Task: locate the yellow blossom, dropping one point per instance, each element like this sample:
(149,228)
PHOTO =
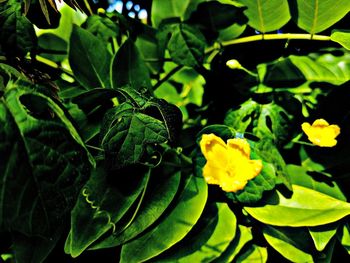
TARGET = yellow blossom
(321,133)
(228,165)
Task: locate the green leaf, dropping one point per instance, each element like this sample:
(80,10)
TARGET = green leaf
(242,236)
(179,220)
(214,15)
(186,45)
(322,235)
(54,163)
(254,254)
(306,207)
(33,249)
(264,120)
(51,42)
(126,134)
(129,69)
(101,204)
(266,16)
(317,15)
(17,35)
(102,27)
(342,37)
(207,242)
(89,59)
(344,237)
(291,243)
(172,8)
(161,189)
(300,176)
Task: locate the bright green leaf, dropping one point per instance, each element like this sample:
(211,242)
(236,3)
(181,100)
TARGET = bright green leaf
(89,59)
(243,236)
(317,15)
(342,37)
(179,220)
(344,237)
(322,235)
(266,16)
(291,243)
(306,207)
(206,243)
(129,69)
(253,254)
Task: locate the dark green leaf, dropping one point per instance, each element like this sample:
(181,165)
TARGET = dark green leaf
(179,220)
(161,189)
(129,69)
(306,207)
(89,59)
(102,27)
(186,45)
(54,163)
(17,35)
(126,133)
(266,16)
(101,204)
(317,15)
(49,44)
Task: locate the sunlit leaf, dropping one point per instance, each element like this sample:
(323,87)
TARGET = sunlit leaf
(266,16)
(315,16)
(322,235)
(254,254)
(305,207)
(291,243)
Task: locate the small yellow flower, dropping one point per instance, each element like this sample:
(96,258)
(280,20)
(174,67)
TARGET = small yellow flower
(228,165)
(320,133)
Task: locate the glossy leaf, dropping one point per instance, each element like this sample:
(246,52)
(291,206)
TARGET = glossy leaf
(266,16)
(89,59)
(243,236)
(207,242)
(126,134)
(300,176)
(322,235)
(254,254)
(159,238)
(291,243)
(342,37)
(54,163)
(94,213)
(315,16)
(161,189)
(306,207)
(129,69)
(186,45)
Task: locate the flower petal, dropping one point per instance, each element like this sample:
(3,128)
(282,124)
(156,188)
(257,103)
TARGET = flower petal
(214,149)
(321,133)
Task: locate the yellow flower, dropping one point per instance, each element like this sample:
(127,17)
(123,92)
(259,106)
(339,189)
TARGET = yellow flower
(321,133)
(228,165)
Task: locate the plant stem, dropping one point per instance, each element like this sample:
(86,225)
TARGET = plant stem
(168,76)
(287,36)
